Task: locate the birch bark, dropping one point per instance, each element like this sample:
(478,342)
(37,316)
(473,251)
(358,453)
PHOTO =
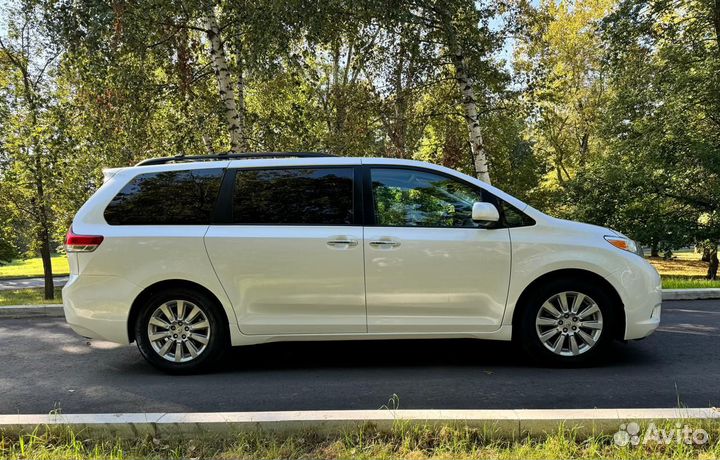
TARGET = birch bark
(467,91)
(218,59)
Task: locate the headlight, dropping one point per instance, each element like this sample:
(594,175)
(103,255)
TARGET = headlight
(626,244)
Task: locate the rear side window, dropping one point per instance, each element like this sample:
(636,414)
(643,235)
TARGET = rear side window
(167,198)
(294,196)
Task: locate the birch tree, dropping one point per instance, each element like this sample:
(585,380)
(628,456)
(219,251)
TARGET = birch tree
(466,86)
(219,61)
(460,29)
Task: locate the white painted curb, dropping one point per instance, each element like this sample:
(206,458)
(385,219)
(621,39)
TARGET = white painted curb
(690,294)
(507,423)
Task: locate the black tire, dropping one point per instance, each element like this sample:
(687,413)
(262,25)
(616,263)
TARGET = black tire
(528,336)
(217,335)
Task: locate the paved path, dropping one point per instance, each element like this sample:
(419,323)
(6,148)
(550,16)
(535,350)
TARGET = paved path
(26,283)
(46,366)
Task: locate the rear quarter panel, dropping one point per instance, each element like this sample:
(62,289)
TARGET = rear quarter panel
(142,254)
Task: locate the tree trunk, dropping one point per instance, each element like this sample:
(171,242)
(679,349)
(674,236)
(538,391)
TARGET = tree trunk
(241,105)
(208,144)
(713,267)
(240,74)
(705,253)
(42,215)
(465,83)
(47,265)
(716,22)
(218,60)
(44,235)
(584,148)
(40,205)
(398,134)
(654,252)
(398,126)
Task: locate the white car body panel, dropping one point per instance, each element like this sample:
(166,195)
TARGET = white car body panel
(284,283)
(554,244)
(437,280)
(287,280)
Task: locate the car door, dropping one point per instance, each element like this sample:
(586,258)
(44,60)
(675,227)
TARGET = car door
(428,267)
(290,252)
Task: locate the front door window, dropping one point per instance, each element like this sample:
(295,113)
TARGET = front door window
(412,198)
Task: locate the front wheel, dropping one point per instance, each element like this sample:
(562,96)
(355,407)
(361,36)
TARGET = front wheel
(181,331)
(567,322)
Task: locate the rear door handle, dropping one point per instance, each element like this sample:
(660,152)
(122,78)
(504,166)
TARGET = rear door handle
(380,244)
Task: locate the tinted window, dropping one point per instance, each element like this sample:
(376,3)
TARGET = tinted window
(302,196)
(166,198)
(412,198)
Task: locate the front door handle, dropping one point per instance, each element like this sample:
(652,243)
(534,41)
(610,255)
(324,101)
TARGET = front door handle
(342,243)
(380,244)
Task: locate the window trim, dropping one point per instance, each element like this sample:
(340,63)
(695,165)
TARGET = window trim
(369,211)
(224,213)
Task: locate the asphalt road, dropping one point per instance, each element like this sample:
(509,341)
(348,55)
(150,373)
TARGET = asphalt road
(27,283)
(45,366)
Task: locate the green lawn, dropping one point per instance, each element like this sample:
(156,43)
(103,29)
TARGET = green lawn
(684,271)
(29,268)
(364,443)
(684,282)
(27,297)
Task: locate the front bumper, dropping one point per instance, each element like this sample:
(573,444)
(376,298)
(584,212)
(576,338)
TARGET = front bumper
(640,290)
(94,306)
(639,325)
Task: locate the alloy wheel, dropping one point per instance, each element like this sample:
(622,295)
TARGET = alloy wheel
(569,323)
(179,331)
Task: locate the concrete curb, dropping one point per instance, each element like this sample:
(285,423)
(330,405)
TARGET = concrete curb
(32,311)
(505,423)
(691,294)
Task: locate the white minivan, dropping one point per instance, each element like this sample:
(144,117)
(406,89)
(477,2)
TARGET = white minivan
(188,256)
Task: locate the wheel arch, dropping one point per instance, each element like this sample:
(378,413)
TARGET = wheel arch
(573,273)
(159,286)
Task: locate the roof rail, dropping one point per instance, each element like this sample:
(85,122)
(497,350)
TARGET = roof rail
(230,156)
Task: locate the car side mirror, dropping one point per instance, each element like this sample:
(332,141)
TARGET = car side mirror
(485,212)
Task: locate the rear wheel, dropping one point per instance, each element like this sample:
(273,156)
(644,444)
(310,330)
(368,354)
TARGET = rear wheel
(181,331)
(568,322)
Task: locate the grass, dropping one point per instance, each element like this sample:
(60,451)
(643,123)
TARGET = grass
(681,282)
(31,268)
(684,270)
(403,442)
(27,297)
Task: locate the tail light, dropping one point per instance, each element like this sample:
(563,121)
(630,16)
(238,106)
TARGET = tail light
(81,243)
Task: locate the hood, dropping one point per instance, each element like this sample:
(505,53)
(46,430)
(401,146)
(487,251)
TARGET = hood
(581,227)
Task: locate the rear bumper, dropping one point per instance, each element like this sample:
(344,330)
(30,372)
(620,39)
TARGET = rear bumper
(96,306)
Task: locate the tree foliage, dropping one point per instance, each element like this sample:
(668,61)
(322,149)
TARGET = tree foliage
(600,110)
